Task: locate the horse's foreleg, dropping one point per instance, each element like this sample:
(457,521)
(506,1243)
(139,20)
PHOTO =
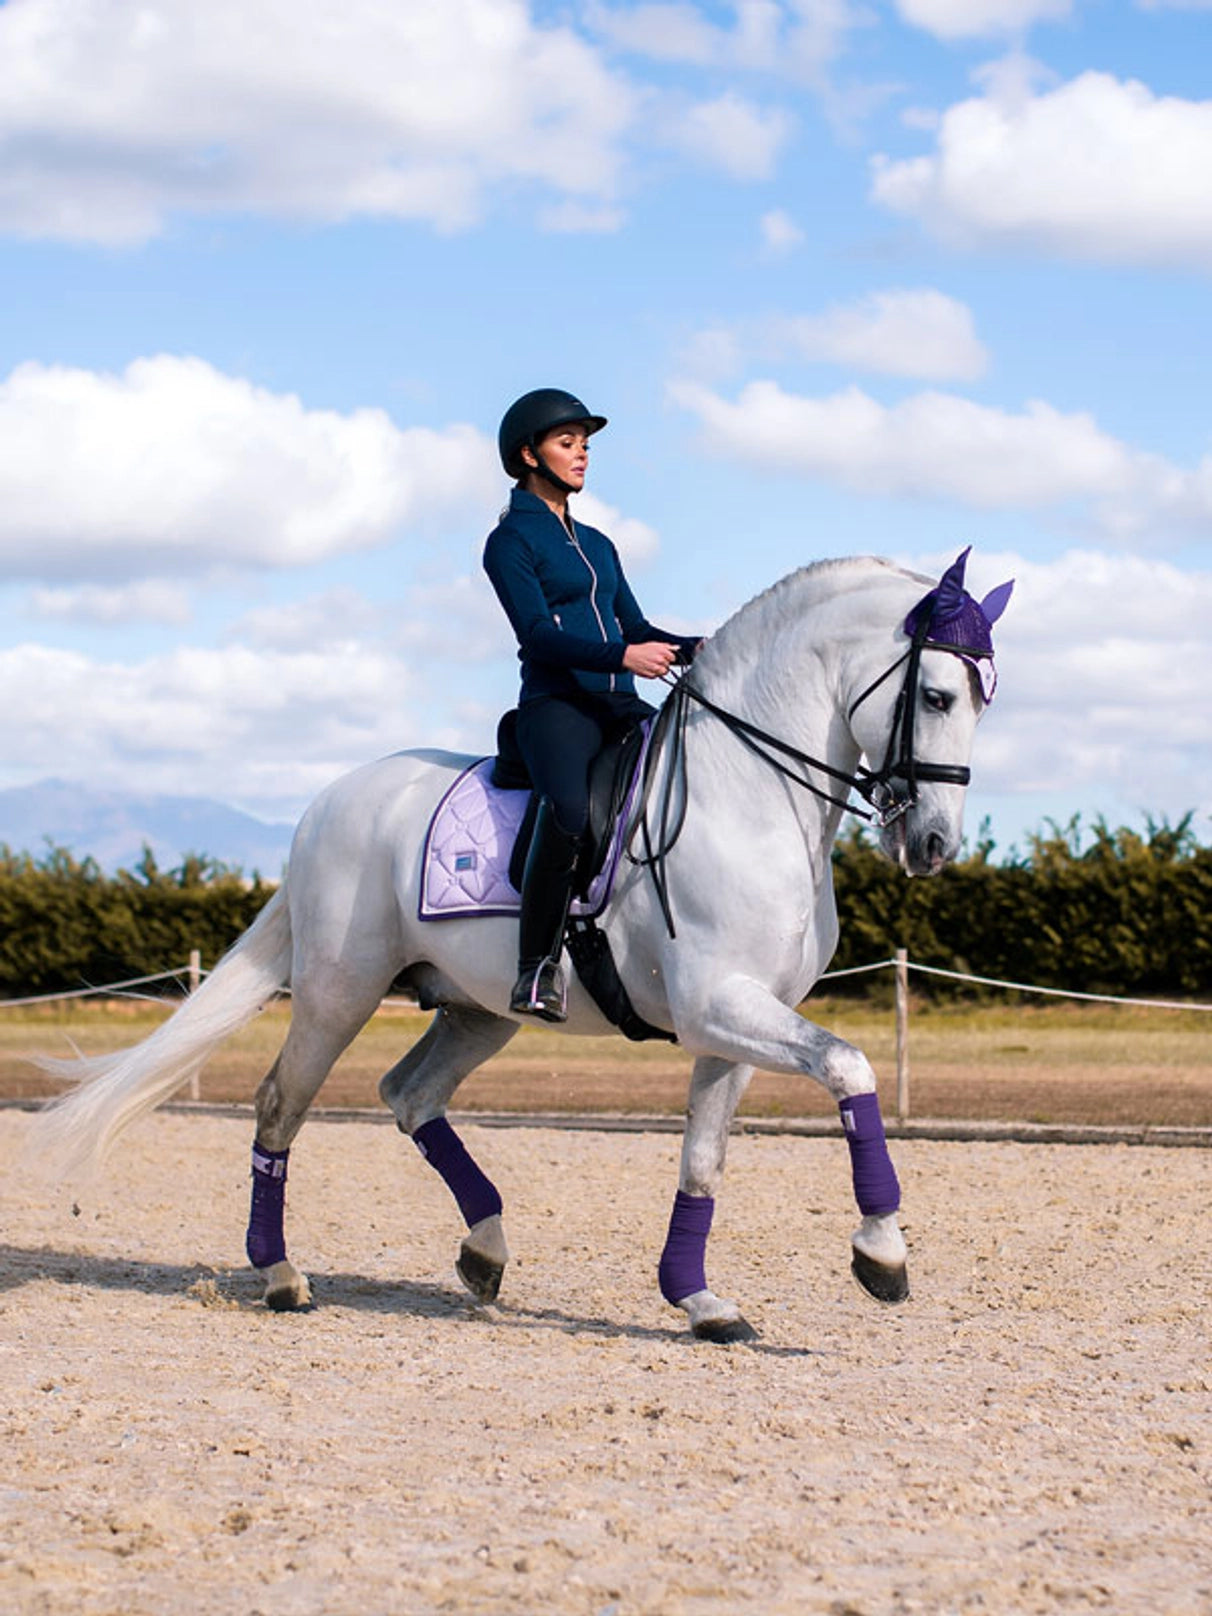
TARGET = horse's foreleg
(741,1020)
(716,1088)
(318,1033)
(417,1090)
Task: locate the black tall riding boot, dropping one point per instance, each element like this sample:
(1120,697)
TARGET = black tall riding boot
(546,894)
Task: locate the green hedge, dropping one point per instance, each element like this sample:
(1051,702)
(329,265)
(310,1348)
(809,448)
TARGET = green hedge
(1114,911)
(64,924)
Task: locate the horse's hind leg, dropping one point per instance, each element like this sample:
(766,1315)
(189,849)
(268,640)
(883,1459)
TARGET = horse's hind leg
(417,1090)
(321,1026)
(716,1088)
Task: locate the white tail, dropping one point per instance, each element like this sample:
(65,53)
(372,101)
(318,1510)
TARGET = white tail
(112,1091)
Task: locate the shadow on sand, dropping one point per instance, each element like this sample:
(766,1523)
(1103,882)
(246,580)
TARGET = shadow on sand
(20,1266)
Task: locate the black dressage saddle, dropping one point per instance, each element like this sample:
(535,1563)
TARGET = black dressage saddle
(610,777)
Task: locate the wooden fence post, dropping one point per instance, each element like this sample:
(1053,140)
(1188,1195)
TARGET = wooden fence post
(195,977)
(902,1034)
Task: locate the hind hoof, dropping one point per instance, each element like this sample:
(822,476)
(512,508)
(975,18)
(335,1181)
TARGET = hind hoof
(481,1275)
(286,1289)
(888,1283)
(723,1331)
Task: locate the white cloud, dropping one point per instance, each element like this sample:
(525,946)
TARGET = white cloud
(173,466)
(1102,694)
(115,116)
(665,33)
(975,19)
(940,446)
(933,444)
(1093,168)
(236,723)
(567,218)
(150,600)
(335,617)
(458,620)
(918,332)
(731,134)
(635,541)
(793,39)
(780,233)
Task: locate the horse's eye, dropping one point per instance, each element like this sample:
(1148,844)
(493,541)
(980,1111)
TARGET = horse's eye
(938,701)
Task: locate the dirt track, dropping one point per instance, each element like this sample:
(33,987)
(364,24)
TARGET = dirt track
(1030,1433)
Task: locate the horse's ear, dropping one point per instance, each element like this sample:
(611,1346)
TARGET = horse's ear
(995,602)
(949,596)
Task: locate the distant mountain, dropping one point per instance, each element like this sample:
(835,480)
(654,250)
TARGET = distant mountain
(112,828)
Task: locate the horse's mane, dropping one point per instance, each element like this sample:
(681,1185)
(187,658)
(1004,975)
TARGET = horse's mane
(787,600)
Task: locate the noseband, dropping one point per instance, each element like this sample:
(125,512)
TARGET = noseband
(889,791)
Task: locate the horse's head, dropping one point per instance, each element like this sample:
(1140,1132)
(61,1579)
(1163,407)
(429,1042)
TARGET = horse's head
(915,720)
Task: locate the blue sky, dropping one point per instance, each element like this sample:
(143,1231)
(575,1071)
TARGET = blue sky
(847,278)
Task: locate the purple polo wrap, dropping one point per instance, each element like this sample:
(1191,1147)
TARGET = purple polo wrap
(265,1242)
(955,621)
(682,1272)
(447,1155)
(875,1183)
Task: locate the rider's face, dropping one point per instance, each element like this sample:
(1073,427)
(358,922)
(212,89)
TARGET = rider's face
(566,452)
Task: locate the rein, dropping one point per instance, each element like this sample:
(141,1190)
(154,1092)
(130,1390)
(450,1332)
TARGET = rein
(885,803)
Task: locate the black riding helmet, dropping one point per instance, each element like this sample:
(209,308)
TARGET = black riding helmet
(527,421)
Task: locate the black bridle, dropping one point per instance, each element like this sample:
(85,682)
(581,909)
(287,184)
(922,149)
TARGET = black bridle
(889,791)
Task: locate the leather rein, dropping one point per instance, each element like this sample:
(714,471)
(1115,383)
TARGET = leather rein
(889,791)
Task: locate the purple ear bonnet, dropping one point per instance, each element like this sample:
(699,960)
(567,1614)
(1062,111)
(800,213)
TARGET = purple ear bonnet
(953,621)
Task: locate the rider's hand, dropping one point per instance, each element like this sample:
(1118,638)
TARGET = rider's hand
(650,660)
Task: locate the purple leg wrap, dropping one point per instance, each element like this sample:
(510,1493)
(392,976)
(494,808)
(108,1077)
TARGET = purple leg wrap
(444,1150)
(681,1272)
(875,1183)
(265,1243)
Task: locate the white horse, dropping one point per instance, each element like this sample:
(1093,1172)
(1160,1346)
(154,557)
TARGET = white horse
(811,669)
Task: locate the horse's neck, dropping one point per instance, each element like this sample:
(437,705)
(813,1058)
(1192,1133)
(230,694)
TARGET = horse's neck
(787,663)
(781,662)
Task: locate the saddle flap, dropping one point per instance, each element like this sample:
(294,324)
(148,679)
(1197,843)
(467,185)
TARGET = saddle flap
(610,780)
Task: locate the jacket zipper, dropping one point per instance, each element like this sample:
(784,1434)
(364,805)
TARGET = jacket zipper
(593,588)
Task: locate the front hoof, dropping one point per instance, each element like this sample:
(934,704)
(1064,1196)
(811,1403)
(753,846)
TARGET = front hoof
(723,1331)
(482,1258)
(481,1275)
(887,1282)
(286,1289)
(714,1319)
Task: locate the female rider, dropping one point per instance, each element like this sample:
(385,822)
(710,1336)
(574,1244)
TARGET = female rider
(581,640)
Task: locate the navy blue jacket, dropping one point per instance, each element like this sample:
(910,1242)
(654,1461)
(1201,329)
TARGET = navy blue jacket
(570,605)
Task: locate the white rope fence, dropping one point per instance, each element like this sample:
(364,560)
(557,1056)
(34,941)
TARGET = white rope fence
(113,990)
(900,963)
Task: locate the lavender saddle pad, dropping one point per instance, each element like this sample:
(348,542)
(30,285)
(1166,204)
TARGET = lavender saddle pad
(465,865)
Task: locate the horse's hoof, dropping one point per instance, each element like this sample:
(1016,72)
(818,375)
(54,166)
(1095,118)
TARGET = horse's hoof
(722,1331)
(481,1275)
(886,1282)
(286,1289)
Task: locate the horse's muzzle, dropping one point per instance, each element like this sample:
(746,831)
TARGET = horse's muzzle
(919,849)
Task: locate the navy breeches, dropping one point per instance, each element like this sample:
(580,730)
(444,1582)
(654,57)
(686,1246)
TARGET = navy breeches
(559,739)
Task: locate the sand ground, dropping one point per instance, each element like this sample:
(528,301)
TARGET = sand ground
(1030,1433)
